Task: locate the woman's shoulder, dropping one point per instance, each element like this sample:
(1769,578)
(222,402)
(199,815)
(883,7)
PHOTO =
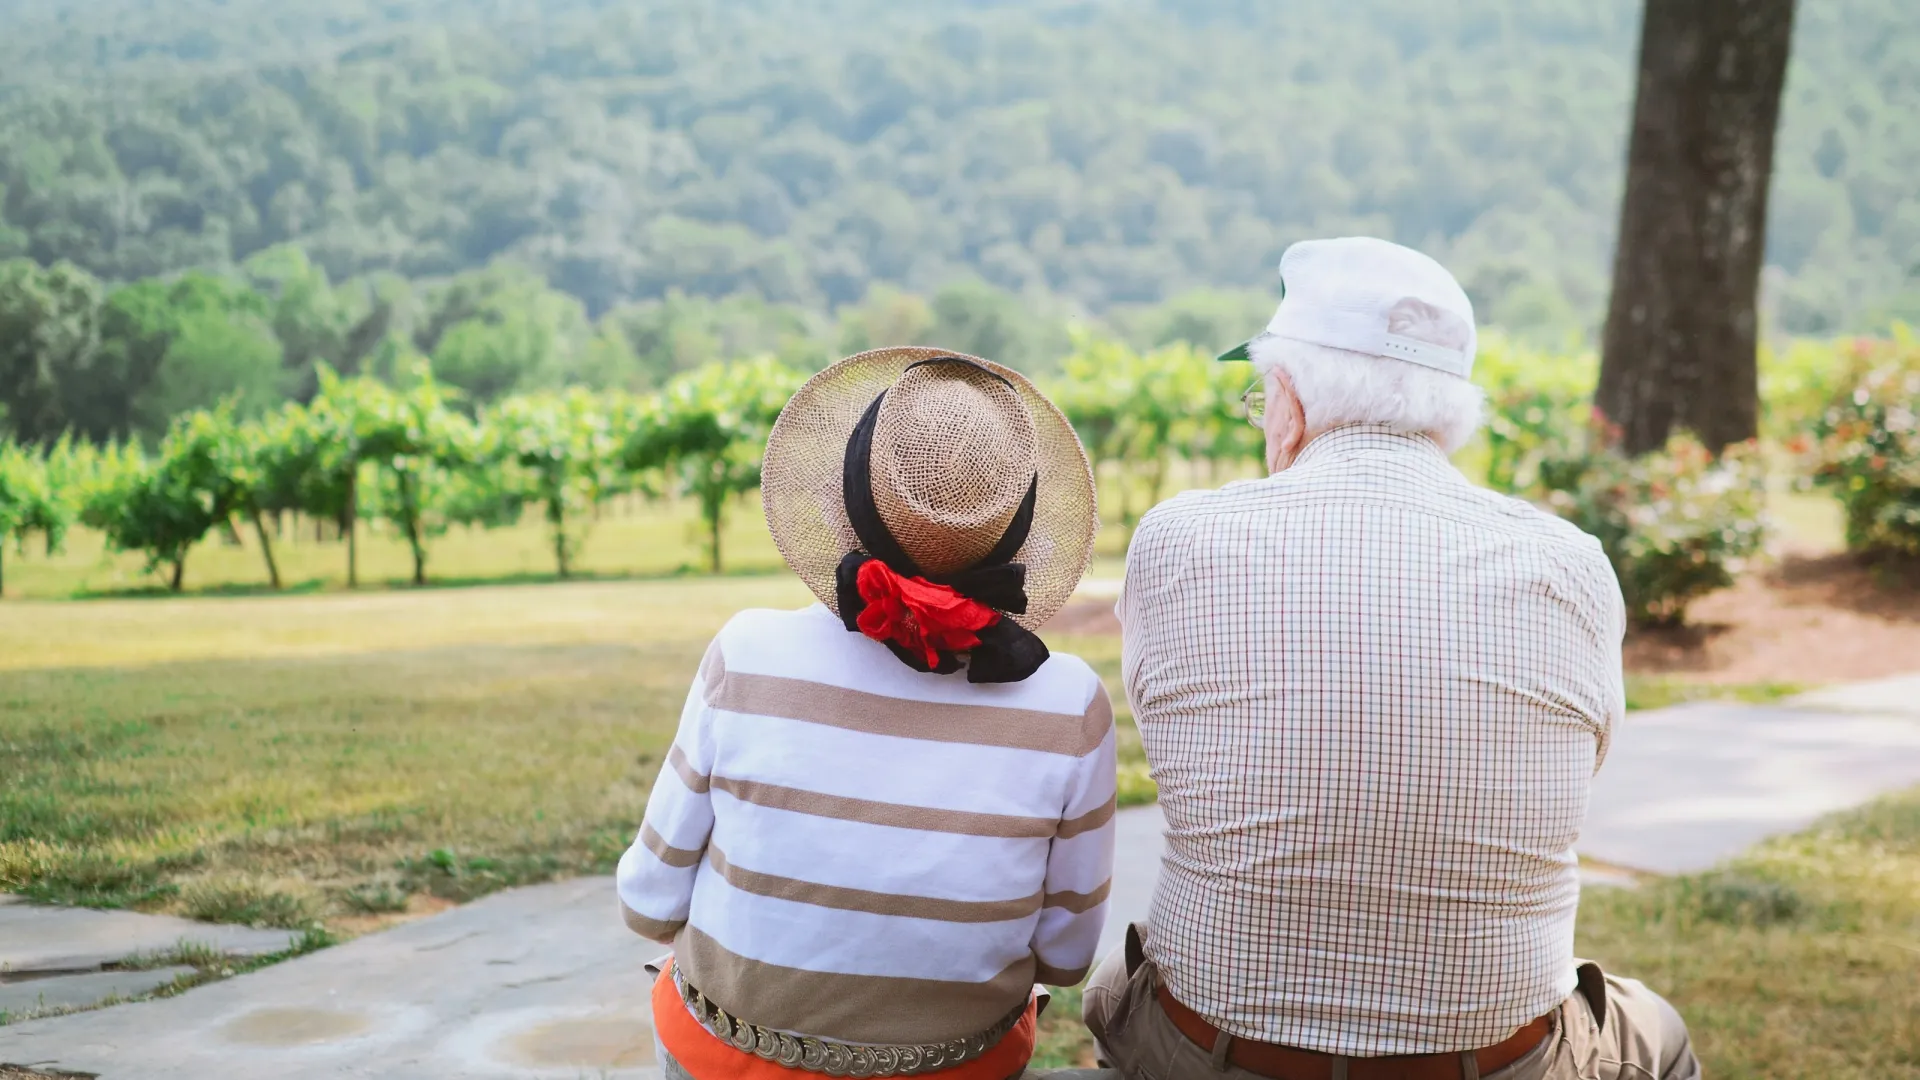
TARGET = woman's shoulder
(775,627)
(1068,670)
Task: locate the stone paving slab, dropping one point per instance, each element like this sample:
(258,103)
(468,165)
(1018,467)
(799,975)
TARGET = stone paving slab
(1687,787)
(64,991)
(1882,697)
(35,937)
(541,982)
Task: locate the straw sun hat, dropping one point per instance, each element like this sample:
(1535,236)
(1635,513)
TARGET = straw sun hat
(936,502)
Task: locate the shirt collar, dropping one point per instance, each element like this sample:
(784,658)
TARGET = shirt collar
(1352,439)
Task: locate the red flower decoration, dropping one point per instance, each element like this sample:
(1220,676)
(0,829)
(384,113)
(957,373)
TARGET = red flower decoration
(918,615)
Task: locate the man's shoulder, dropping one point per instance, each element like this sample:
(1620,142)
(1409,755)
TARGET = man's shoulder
(1541,525)
(1188,506)
(1173,520)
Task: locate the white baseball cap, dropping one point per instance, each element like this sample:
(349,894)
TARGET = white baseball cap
(1369,296)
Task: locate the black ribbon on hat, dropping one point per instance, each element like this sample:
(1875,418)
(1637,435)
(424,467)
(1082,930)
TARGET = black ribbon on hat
(1008,652)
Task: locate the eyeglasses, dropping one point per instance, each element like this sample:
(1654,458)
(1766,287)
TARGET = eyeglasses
(1254,401)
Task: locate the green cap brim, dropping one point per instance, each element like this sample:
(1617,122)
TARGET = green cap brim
(1237,354)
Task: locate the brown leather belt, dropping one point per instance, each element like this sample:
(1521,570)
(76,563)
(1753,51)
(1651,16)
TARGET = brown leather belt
(1286,1063)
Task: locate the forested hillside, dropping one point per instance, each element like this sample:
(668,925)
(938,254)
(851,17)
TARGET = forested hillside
(1105,153)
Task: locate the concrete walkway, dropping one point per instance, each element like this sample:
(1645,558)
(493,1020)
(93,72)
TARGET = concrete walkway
(545,982)
(53,957)
(531,983)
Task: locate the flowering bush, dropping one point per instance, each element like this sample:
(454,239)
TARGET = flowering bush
(1676,524)
(1866,446)
(1537,411)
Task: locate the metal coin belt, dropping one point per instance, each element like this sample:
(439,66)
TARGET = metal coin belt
(838,1058)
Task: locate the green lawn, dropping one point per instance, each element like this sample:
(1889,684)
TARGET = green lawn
(329,757)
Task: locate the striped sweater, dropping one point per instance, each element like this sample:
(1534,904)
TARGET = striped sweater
(843,847)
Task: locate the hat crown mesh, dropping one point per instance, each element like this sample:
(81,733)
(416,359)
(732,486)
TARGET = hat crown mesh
(953,456)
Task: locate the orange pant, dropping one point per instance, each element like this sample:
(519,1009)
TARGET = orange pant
(705,1057)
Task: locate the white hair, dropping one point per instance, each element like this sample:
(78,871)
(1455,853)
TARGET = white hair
(1337,387)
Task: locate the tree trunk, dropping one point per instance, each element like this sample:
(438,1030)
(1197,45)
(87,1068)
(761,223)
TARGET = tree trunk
(1679,347)
(351,527)
(713,507)
(266,550)
(1157,479)
(411,509)
(179,573)
(557,518)
(3,568)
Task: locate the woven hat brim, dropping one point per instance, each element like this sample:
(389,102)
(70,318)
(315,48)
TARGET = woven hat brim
(801,479)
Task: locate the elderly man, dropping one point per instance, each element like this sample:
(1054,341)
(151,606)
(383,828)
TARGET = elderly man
(1374,697)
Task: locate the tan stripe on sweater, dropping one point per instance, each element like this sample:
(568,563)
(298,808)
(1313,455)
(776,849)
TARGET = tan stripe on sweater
(1087,822)
(873,903)
(665,852)
(660,930)
(897,815)
(1079,902)
(875,714)
(850,1008)
(689,776)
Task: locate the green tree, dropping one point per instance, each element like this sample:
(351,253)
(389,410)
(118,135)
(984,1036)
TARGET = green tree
(500,331)
(49,336)
(414,440)
(978,319)
(280,465)
(1107,154)
(314,322)
(31,500)
(887,316)
(567,449)
(323,445)
(711,431)
(220,346)
(165,505)
(678,333)
(1135,412)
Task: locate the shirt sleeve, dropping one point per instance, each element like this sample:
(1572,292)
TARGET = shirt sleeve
(655,876)
(1593,591)
(1157,559)
(1613,633)
(1080,860)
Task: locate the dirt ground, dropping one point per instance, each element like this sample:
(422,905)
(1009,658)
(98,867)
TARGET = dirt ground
(1807,619)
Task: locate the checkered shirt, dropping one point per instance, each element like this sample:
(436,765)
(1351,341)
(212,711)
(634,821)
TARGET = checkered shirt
(1374,697)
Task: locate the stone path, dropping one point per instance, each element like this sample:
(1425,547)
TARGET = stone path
(1688,787)
(532,983)
(53,957)
(545,982)
(41,940)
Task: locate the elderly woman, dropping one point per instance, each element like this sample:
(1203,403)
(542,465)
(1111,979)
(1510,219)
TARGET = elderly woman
(887,816)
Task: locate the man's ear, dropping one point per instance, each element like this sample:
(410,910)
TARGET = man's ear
(1288,399)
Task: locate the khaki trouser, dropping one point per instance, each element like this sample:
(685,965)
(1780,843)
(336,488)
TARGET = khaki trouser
(1612,1029)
